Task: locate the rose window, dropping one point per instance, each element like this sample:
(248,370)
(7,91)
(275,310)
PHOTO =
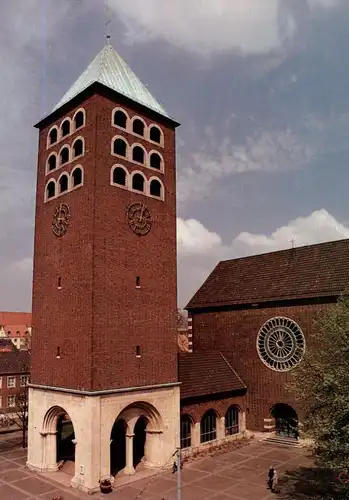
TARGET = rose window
(280,344)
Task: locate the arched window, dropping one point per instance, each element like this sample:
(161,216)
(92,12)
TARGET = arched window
(138,127)
(53,136)
(155,134)
(186,424)
(232,421)
(155,161)
(77,176)
(52,163)
(120,147)
(119,176)
(64,156)
(138,182)
(63,184)
(79,119)
(155,188)
(208,427)
(50,190)
(78,147)
(138,154)
(65,128)
(120,119)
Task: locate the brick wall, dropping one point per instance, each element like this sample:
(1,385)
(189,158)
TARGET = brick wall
(198,408)
(235,334)
(98,317)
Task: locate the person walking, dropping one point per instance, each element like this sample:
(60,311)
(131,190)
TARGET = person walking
(271,473)
(275,483)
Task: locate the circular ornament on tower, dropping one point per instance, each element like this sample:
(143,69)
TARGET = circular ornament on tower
(139,218)
(60,219)
(280,344)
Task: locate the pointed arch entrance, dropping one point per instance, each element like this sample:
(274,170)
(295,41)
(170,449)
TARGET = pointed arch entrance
(136,439)
(59,440)
(286,420)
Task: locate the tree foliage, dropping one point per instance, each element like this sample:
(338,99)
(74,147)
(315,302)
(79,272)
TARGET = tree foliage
(182,320)
(320,385)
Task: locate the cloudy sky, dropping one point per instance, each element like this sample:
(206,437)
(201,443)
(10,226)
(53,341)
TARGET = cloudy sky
(261,88)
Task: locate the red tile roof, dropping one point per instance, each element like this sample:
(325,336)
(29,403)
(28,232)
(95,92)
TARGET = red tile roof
(320,270)
(206,373)
(15,324)
(14,362)
(15,318)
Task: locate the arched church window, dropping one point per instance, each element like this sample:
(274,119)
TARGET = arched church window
(64,156)
(65,128)
(78,147)
(138,182)
(77,176)
(51,190)
(53,136)
(79,119)
(186,425)
(52,162)
(120,119)
(119,176)
(155,134)
(208,427)
(232,421)
(120,147)
(138,127)
(280,344)
(155,161)
(138,154)
(155,188)
(63,183)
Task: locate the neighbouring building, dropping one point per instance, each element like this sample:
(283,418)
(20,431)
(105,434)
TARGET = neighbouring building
(17,327)
(14,375)
(259,312)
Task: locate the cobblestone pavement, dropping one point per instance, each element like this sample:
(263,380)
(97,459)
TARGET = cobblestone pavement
(239,475)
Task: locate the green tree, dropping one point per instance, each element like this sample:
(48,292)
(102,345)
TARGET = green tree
(321,386)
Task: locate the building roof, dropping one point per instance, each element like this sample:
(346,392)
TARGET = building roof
(14,362)
(15,318)
(15,324)
(320,270)
(206,373)
(109,69)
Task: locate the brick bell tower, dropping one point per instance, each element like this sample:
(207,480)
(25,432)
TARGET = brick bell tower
(105,285)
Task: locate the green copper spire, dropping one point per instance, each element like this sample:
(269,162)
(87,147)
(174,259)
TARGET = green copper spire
(109,69)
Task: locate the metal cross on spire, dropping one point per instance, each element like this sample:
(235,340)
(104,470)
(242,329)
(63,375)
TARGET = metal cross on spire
(292,241)
(107,22)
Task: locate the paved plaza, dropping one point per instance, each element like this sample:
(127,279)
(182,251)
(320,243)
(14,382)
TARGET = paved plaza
(239,475)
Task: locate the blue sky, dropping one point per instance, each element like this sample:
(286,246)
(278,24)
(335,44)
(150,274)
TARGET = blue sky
(261,89)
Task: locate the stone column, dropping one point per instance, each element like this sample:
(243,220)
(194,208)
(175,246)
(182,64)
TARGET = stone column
(129,470)
(242,421)
(195,435)
(153,452)
(49,456)
(220,428)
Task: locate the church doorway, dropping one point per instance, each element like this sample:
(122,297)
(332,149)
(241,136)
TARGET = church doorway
(286,421)
(65,444)
(139,440)
(118,447)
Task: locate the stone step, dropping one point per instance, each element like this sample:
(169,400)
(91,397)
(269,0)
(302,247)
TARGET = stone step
(282,441)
